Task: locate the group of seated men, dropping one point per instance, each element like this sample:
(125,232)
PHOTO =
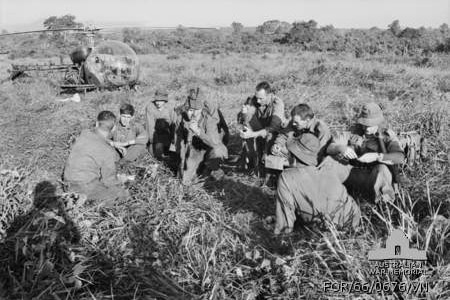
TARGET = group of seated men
(314,187)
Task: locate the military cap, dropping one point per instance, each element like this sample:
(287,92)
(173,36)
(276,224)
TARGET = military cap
(161,95)
(371,115)
(305,148)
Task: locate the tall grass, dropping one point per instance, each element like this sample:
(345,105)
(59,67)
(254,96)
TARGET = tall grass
(213,240)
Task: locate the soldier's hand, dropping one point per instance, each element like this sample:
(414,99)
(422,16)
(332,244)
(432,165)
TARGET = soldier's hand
(117,144)
(246,133)
(244,109)
(350,153)
(122,150)
(194,128)
(276,149)
(369,157)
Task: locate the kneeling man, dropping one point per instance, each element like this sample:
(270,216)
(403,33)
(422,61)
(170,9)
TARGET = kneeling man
(90,168)
(311,193)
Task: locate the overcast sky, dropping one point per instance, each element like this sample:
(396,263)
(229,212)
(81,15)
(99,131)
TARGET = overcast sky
(340,13)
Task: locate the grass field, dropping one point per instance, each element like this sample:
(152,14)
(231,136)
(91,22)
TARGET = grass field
(213,240)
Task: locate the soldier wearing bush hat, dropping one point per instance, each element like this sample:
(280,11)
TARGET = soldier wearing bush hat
(160,122)
(365,155)
(201,137)
(311,192)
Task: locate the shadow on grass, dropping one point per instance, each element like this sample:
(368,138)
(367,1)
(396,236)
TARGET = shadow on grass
(241,196)
(36,250)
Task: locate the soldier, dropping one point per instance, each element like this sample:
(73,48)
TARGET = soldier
(129,137)
(90,168)
(311,192)
(263,117)
(302,121)
(161,121)
(201,137)
(362,158)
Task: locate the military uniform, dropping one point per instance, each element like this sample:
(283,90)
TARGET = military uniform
(91,170)
(310,192)
(160,128)
(208,146)
(317,127)
(270,118)
(134,132)
(374,178)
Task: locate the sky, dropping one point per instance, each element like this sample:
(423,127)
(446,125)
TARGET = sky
(215,13)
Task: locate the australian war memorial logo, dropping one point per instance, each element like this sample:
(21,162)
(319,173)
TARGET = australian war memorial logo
(398,258)
(395,268)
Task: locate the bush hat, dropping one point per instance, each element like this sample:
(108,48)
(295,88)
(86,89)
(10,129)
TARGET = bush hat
(371,115)
(305,148)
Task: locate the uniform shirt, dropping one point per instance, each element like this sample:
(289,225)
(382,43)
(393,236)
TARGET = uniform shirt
(213,131)
(270,117)
(134,131)
(160,122)
(317,127)
(91,159)
(312,192)
(363,143)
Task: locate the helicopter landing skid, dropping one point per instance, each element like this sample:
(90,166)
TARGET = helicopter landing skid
(70,88)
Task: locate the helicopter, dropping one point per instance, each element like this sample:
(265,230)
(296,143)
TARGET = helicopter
(112,64)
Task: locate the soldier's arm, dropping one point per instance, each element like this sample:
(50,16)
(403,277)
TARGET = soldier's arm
(247,111)
(323,133)
(395,152)
(108,170)
(336,146)
(282,138)
(277,117)
(340,142)
(142,135)
(223,127)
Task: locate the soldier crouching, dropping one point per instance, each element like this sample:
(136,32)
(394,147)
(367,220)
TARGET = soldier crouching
(201,137)
(310,192)
(366,156)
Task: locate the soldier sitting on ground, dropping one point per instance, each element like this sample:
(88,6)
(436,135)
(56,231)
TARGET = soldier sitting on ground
(311,193)
(129,137)
(90,168)
(363,157)
(201,137)
(262,116)
(161,122)
(302,121)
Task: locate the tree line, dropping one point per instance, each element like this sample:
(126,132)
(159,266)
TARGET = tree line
(271,36)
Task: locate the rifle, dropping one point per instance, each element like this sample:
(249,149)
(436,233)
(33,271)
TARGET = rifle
(185,146)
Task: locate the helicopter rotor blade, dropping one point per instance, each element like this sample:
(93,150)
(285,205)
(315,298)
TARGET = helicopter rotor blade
(53,30)
(116,28)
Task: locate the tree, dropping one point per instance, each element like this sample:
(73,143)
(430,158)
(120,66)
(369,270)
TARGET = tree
(303,32)
(268,27)
(444,30)
(394,27)
(66,21)
(237,28)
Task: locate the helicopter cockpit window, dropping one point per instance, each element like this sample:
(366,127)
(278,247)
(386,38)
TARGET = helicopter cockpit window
(115,48)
